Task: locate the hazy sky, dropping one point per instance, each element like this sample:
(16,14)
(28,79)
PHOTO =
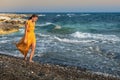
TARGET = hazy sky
(60,5)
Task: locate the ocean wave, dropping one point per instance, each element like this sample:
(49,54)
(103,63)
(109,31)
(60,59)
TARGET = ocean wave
(45,24)
(70,15)
(85,14)
(50,26)
(43,35)
(3,37)
(4,41)
(95,36)
(73,40)
(58,15)
(42,15)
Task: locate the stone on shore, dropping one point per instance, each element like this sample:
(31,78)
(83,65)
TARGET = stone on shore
(8,28)
(10,23)
(13,68)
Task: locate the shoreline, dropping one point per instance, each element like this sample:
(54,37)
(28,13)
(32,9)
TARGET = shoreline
(14,68)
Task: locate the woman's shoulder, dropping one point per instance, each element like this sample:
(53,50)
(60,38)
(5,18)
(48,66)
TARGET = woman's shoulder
(28,22)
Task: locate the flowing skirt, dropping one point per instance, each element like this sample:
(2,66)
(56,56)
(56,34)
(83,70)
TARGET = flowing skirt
(24,47)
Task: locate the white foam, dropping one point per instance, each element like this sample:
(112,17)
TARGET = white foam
(73,40)
(95,36)
(4,37)
(70,15)
(84,14)
(105,74)
(49,23)
(22,30)
(5,41)
(39,54)
(17,38)
(46,24)
(41,15)
(58,15)
(43,35)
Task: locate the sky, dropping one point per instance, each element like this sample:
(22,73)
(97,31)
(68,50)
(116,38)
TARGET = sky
(59,5)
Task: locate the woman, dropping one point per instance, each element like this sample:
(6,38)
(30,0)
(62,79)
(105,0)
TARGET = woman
(29,40)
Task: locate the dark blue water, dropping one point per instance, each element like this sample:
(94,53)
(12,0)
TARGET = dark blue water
(87,40)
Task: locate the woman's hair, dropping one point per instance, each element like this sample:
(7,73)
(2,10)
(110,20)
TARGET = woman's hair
(34,15)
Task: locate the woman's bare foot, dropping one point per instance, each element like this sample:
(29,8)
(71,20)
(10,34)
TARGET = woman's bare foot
(31,61)
(25,58)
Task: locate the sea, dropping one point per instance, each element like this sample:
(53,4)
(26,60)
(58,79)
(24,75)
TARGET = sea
(86,40)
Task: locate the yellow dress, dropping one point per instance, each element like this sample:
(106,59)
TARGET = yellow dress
(30,36)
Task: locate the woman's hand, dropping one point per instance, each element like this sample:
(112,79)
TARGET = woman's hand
(25,41)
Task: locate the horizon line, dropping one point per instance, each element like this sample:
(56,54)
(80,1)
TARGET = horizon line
(60,12)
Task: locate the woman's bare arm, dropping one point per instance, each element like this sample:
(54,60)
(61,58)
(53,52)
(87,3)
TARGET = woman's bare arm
(26,28)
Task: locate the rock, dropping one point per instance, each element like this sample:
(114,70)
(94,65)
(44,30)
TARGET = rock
(16,21)
(2,18)
(14,15)
(10,23)
(8,28)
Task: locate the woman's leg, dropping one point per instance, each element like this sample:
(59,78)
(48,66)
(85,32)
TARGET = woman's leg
(25,57)
(32,52)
